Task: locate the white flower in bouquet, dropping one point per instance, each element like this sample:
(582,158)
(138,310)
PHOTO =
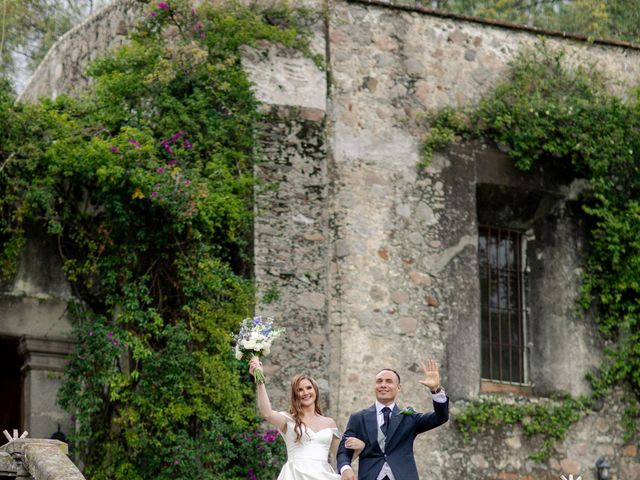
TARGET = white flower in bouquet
(255,336)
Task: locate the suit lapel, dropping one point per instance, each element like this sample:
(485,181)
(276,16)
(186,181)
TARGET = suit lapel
(371,423)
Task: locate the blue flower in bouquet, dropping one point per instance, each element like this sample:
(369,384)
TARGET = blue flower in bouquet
(256,336)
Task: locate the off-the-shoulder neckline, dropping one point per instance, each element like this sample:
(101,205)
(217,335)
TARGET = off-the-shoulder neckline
(289,417)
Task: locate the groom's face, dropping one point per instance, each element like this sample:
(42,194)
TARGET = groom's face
(387,387)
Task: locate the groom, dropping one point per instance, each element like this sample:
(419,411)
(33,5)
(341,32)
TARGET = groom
(389,432)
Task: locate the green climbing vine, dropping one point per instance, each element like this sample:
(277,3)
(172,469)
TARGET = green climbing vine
(548,421)
(144,188)
(565,118)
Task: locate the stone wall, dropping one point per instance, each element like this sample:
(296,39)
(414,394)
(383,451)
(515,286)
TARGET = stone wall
(404,282)
(37,459)
(33,308)
(292,268)
(371,263)
(63,68)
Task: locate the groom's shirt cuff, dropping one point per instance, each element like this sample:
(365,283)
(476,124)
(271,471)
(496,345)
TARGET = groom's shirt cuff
(344,467)
(439,397)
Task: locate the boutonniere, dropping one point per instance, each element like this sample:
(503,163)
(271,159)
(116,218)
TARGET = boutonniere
(407,411)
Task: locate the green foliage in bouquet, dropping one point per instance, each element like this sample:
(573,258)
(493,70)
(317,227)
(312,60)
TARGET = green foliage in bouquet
(144,186)
(565,118)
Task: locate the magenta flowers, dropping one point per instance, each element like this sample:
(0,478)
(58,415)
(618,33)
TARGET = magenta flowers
(173,139)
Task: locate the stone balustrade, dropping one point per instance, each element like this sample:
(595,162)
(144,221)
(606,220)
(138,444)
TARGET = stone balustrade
(38,459)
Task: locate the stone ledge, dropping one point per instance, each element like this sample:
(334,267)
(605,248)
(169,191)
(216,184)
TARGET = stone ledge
(43,459)
(48,354)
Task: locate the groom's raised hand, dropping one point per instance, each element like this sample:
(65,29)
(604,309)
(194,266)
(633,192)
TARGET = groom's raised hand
(431,375)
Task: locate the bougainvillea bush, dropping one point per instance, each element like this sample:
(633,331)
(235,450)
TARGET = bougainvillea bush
(144,188)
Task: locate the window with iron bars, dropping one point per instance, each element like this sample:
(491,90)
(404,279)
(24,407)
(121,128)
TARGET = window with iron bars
(502,305)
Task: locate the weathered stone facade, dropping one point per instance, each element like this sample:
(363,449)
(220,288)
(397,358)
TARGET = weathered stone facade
(37,459)
(33,310)
(371,263)
(63,68)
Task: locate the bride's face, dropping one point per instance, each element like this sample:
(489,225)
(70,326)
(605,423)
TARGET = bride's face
(306,392)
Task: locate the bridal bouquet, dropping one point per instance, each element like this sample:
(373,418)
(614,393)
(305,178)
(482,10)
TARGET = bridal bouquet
(255,336)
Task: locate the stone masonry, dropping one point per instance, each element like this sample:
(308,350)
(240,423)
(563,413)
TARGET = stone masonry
(37,459)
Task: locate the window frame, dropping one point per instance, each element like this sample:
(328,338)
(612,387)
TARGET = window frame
(505,383)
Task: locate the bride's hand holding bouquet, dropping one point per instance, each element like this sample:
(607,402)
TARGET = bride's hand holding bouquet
(255,337)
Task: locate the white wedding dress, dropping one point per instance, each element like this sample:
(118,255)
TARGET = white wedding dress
(308,458)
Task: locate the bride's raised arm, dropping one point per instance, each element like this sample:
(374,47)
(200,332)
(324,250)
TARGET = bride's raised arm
(264,405)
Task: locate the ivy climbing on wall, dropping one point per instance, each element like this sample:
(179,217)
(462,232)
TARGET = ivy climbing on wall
(547,113)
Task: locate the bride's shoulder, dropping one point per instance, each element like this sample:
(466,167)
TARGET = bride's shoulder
(329,422)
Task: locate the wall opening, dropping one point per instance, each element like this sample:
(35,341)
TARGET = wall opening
(11,385)
(501,305)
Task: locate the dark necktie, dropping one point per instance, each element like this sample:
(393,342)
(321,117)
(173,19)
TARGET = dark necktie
(385,425)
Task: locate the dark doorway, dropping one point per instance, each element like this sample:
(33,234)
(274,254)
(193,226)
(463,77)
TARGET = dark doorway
(10,386)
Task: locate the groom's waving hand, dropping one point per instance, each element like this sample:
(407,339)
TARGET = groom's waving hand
(431,376)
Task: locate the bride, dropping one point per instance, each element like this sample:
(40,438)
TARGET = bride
(308,435)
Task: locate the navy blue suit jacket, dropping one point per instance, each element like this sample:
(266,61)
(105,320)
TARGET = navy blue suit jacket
(403,429)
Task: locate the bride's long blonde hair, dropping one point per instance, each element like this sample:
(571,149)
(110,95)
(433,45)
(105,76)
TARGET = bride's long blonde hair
(296,405)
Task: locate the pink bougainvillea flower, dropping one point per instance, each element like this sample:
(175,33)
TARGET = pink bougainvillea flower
(153,14)
(177,135)
(114,149)
(90,333)
(153,194)
(163,6)
(160,170)
(172,162)
(134,142)
(167,147)
(271,436)
(116,342)
(187,145)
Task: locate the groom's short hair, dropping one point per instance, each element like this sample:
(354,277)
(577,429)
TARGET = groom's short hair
(390,370)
